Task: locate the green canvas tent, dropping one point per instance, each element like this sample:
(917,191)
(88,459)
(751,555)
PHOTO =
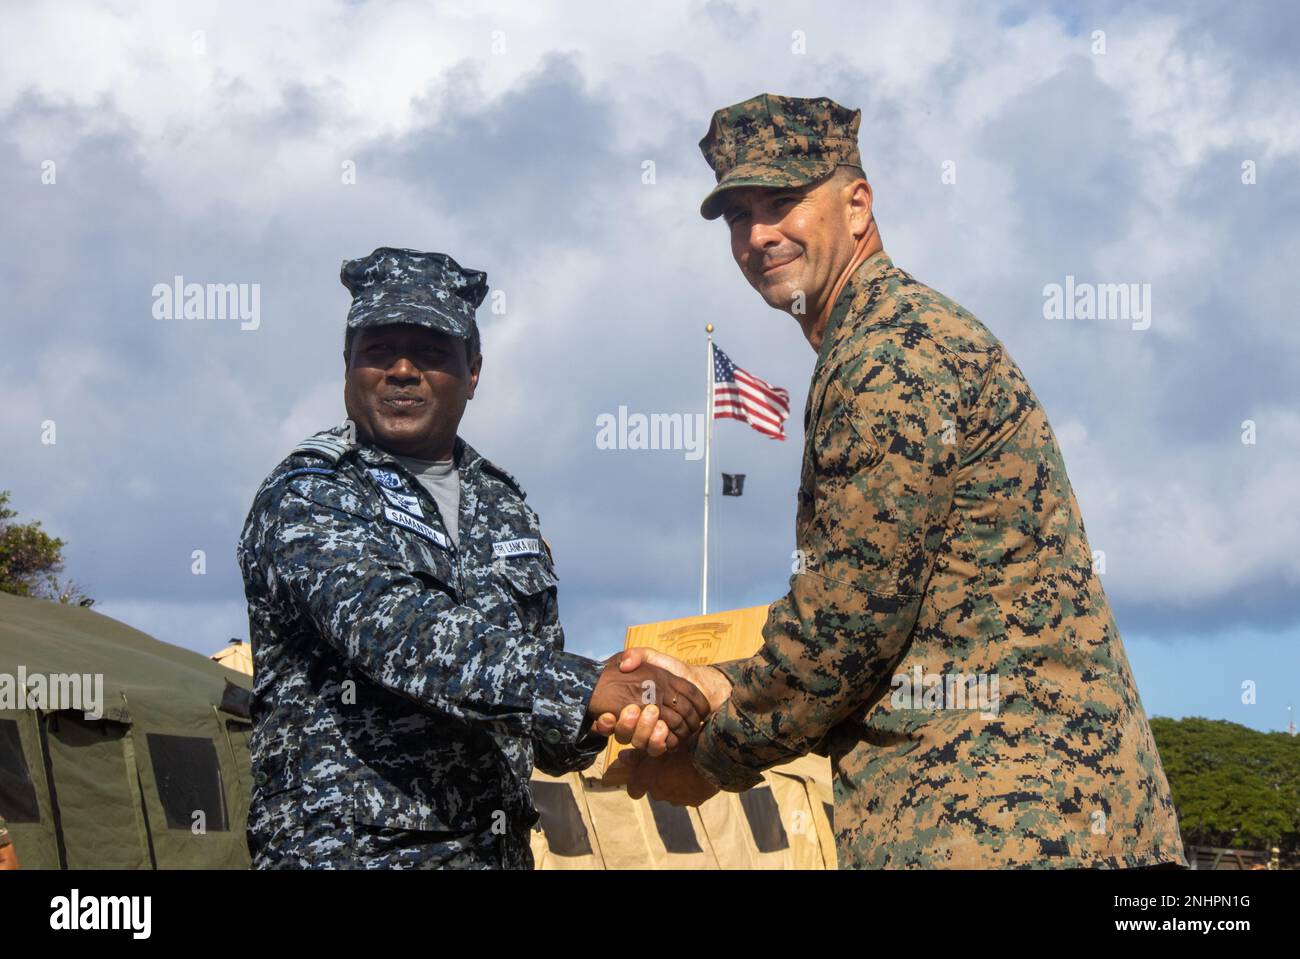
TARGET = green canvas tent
(117,751)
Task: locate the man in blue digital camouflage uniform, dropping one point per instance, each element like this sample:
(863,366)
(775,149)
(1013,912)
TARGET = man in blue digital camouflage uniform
(409,667)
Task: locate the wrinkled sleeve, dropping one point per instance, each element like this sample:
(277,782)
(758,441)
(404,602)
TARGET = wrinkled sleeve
(564,755)
(337,570)
(885,445)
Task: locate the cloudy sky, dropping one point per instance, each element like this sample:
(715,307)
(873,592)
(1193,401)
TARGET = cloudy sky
(1010,146)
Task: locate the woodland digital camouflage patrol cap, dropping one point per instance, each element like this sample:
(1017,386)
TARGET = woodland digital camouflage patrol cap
(776,141)
(407,286)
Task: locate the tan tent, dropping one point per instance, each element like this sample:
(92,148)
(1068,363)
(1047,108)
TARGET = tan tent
(783,824)
(237,656)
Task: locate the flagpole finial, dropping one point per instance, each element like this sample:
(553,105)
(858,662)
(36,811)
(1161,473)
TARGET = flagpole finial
(708,328)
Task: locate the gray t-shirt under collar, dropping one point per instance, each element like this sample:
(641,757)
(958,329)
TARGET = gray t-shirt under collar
(442,481)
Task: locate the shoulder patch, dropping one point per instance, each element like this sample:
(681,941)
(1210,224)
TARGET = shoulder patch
(325,445)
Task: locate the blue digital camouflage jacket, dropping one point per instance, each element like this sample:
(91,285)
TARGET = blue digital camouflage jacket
(403,687)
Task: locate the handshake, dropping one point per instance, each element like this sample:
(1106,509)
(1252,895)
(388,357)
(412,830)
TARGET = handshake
(657,704)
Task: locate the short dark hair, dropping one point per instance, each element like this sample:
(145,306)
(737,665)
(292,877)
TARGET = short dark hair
(472,345)
(849,171)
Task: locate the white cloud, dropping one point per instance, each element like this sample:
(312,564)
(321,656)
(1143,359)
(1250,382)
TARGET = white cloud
(226,163)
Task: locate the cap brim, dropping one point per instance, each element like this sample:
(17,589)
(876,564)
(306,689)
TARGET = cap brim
(430,319)
(766,175)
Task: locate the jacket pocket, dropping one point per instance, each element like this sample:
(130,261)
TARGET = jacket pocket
(385,805)
(843,440)
(434,571)
(527,575)
(334,495)
(529,586)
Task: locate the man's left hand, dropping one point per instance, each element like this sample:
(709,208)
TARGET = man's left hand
(670,778)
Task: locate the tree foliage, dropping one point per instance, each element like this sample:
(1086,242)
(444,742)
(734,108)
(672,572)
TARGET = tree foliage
(1233,786)
(31,561)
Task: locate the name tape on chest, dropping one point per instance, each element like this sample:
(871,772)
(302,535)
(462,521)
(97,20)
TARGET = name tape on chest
(517,547)
(407,521)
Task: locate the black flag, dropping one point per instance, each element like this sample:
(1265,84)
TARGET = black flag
(733,484)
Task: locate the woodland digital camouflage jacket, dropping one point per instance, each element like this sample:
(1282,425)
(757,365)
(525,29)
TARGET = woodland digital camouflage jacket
(947,643)
(403,687)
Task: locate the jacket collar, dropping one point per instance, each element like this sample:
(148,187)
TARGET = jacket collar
(853,306)
(467,459)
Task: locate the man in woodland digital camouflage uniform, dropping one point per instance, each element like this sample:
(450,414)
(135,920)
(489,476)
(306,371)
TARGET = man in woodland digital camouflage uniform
(947,642)
(8,858)
(409,665)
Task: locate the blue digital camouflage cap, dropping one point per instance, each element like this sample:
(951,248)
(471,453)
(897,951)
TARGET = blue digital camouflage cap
(407,286)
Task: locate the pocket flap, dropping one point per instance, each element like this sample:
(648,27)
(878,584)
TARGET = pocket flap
(528,574)
(332,494)
(386,807)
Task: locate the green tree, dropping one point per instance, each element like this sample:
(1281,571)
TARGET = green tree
(1234,787)
(31,561)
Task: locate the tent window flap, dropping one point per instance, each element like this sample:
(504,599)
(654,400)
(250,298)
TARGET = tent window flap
(189,781)
(566,834)
(764,817)
(17,791)
(675,829)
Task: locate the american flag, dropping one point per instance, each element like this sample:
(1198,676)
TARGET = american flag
(738,395)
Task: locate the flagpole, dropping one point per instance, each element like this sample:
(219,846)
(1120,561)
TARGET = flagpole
(708,443)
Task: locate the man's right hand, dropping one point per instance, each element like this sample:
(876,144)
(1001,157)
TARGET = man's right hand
(636,727)
(629,679)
